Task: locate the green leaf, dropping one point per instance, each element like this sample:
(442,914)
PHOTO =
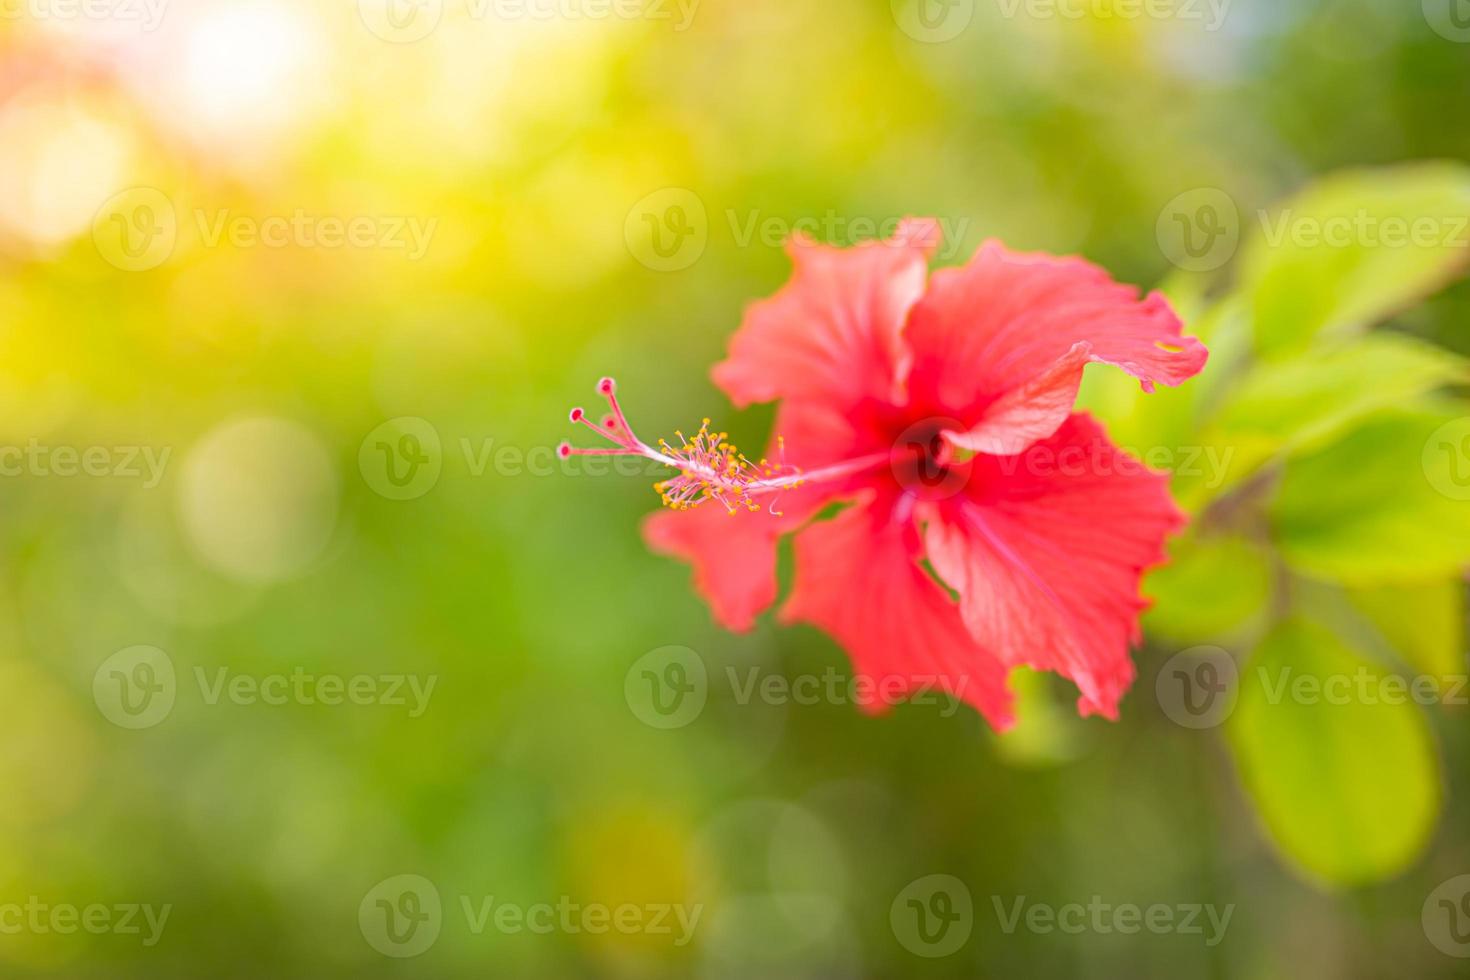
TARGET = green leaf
(1305,401)
(1210,589)
(1347,786)
(1425,624)
(1387,504)
(1354,249)
(1223,465)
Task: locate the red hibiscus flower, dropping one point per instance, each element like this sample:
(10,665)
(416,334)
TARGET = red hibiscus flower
(988,526)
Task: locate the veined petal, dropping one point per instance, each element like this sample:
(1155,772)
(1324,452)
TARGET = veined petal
(995,341)
(834,331)
(1047,551)
(858,578)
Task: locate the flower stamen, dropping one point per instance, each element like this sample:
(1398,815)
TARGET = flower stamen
(709,466)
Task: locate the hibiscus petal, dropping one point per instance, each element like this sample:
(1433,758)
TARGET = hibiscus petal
(1047,551)
(734,557)
(858,578)
(1000,335)
(1031,412)
(834,331)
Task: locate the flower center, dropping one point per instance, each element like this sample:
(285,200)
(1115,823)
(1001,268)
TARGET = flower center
(925,464)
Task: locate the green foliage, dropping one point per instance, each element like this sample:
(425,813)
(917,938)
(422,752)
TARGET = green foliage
(1423,623)
(1367,509)
(1343,459)
(1305,401)
(1342,769)
(1353,249)
(1209,591)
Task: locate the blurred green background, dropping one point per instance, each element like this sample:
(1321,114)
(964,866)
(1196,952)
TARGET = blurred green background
(294,298)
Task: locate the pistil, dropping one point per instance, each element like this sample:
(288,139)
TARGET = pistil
(709,466)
